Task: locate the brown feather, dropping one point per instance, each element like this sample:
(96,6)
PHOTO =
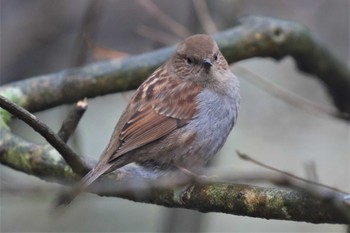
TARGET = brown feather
(158,107)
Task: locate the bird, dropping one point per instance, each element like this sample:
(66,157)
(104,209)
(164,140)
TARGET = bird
(179,117)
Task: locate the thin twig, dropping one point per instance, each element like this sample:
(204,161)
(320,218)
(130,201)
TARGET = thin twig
(311,172)
(102,53)
(88,28)
(71,122)
(201,8)
(156,35)
(164,19)
(250,159)
(285,95)
(72,159)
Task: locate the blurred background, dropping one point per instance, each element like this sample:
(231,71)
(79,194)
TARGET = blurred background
(39,37)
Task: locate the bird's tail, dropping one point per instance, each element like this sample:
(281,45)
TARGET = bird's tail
(86,181)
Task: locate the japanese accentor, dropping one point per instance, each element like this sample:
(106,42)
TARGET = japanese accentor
(179,117)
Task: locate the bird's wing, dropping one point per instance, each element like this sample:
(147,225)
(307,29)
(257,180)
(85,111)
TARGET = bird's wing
(158,107)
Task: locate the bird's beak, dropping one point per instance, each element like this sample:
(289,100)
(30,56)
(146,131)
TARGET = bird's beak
(207,63)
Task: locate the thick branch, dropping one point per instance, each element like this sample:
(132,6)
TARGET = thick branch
(269,203)
(255,37)
(245,200)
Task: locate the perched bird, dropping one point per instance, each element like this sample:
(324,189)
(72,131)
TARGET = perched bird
(178,118)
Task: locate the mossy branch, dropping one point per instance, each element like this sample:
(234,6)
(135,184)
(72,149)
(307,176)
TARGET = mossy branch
(255,37)
(237,199)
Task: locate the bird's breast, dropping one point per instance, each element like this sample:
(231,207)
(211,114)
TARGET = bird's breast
(217,114)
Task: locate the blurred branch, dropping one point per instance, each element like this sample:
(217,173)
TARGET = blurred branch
(201,8)
(287,96)
(169,23)
(102,53)
(87,30)
(311,171)
(156,35)
(254,37)
(287,174)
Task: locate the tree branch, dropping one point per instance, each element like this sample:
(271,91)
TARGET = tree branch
(254,37)
(289,97)
(227,198)
(71,122)
(237,199)
(288,174)
(74,161)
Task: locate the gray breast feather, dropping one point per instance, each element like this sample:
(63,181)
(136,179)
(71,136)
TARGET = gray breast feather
(216,117)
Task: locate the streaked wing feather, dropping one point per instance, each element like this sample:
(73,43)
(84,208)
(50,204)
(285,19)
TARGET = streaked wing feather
(166,104)
(151,128)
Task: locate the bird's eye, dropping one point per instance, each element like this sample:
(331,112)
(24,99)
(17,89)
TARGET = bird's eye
(189,60)
(215,56)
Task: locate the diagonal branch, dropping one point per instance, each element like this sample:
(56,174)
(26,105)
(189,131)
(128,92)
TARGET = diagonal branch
(74,161)
(207,23)
(71,122)
(287,96)
(287,174)
(163,18)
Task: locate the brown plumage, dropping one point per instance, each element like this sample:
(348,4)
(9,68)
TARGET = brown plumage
(159,123)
